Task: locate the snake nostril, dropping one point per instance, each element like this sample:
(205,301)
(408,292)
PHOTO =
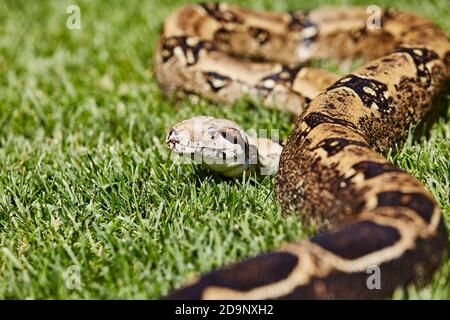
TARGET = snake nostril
(172,140)
(172,143)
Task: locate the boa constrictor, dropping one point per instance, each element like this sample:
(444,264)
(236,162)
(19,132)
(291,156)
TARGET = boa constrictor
(331,171)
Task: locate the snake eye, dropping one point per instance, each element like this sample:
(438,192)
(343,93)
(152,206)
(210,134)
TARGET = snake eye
(233,136)
(212,132)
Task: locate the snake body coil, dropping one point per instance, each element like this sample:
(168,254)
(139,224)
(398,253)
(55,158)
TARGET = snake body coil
(370,213)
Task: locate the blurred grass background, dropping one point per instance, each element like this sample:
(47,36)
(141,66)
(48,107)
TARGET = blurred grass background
(86,180)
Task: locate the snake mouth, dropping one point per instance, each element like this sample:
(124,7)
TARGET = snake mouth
(208,155)
(175,145)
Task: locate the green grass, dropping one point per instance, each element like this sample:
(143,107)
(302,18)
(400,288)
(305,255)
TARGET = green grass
(85,177)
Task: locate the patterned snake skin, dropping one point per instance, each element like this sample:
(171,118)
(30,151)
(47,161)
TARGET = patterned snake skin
(331,171)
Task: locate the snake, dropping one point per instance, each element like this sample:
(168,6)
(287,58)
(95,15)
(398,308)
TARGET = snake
(332,170)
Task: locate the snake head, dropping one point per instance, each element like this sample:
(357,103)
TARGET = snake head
(218,144)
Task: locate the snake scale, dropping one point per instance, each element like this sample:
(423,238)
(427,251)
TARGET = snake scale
(332,170)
